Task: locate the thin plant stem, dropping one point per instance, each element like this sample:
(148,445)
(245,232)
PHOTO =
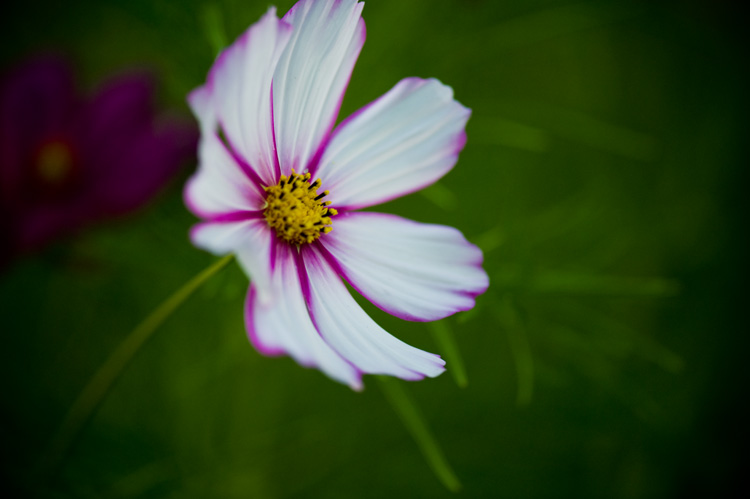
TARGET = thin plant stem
(213,25)
(444,337)
(101,382)
(519,347)
(409,413)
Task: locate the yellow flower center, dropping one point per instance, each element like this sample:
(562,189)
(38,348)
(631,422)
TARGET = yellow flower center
(54,163)
(295,211)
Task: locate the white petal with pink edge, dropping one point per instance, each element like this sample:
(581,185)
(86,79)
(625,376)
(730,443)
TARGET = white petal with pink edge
(240,83)
(353,334)
(412,270)
(202,106)
(220,185)
(404,141)
(250,240)
(312,75)
(283,325)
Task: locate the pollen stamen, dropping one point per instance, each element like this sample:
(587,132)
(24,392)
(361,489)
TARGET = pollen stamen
(295,212)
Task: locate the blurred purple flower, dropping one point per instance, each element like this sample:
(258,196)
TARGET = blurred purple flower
(68,160)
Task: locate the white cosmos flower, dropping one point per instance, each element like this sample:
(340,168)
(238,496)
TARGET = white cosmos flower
(267,113)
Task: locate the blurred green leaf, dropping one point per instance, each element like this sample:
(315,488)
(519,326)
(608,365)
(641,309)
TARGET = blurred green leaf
(407,410)
(508,133)
(441,196)
(447,344)
(490,240)
(585,129)
(100,383)
(548,23)
(213,24)
(552,282)
(515,331)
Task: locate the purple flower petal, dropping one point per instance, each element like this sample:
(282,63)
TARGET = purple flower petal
(66,161)
(36,104)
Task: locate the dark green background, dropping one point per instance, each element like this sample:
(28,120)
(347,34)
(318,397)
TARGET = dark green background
(604,177)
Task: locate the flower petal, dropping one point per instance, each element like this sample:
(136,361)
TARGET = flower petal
(283,325)
(415,271)
(312,75)
(400,143)
(129,152)
(36,102)
(251,242)
(240,83)
(220,185)
(200,101)
(353,334)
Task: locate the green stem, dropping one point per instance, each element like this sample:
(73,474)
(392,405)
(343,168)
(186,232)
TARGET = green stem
(448,346)
(520,349)
(409,413)
(99,385)
(213,24)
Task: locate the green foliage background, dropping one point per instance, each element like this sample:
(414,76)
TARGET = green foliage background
(603,177)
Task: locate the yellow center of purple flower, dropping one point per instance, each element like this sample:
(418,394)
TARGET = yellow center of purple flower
(295,211)
(54,163)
